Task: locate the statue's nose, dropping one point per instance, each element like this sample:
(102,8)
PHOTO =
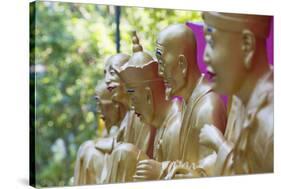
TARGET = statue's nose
(107,81)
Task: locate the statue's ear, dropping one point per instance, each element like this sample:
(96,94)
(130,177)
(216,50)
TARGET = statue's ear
(248,47)
(183,64)
(148,95)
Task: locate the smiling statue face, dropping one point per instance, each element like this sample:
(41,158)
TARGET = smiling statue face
(141,100)
(169,69)
(114,84)
(224,59)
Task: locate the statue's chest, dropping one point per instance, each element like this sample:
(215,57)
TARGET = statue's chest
(166,144)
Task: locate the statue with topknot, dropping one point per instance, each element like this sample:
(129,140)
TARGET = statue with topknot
(95,159)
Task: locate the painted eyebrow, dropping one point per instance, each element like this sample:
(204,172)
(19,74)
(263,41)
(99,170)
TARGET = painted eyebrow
(130,90)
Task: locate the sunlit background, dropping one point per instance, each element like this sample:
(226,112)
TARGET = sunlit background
(68,48)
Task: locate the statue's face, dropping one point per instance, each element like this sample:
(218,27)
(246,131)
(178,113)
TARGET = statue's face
(224,59)
(141,100)
(169,69)
(108,110)
(114,84)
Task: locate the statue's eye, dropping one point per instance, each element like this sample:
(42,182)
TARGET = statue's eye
(209,29)
(158,53)
(112,72)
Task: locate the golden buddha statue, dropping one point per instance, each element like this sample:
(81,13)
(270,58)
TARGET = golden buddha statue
(115,87)
(236,58)
(176,53)
(103,155)
(147,93)
(86,171)
(132,130)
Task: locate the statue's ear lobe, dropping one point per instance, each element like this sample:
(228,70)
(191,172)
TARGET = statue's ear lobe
(248,47)
(148,95)
(183,64)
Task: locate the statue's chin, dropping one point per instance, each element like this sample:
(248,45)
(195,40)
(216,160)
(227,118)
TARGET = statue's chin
(221,89)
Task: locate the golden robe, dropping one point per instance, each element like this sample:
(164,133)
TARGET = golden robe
(165,146)
(95,159)
(249,146)
(203,107)
(166,142)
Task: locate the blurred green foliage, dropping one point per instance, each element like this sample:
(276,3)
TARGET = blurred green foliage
(71,44)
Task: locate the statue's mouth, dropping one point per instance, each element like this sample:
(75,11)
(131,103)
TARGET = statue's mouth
(111,88)
(211,73)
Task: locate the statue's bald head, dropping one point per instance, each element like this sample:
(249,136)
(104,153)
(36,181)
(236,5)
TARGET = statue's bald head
(116,61)
(231,22)
(179,39)
(177,58)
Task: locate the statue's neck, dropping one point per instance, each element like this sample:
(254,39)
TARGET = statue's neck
(190,84)
(122,113)
(162,110)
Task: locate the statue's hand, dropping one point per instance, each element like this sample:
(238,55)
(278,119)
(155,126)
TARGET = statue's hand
(211,137)
(185,170)
(148,170)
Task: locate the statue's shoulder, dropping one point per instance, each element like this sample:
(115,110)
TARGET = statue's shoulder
(202,89)
(210,107)
(262,99)
(201,95)
(260,110)
(178,104)
(176,113)
(210,102)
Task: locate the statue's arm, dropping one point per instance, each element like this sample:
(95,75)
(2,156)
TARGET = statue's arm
(260,140)
(211,110)
(106,145)
(212,137)
(211,121)
(266,135)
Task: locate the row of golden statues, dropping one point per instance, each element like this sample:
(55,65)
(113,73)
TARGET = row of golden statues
(166,120)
